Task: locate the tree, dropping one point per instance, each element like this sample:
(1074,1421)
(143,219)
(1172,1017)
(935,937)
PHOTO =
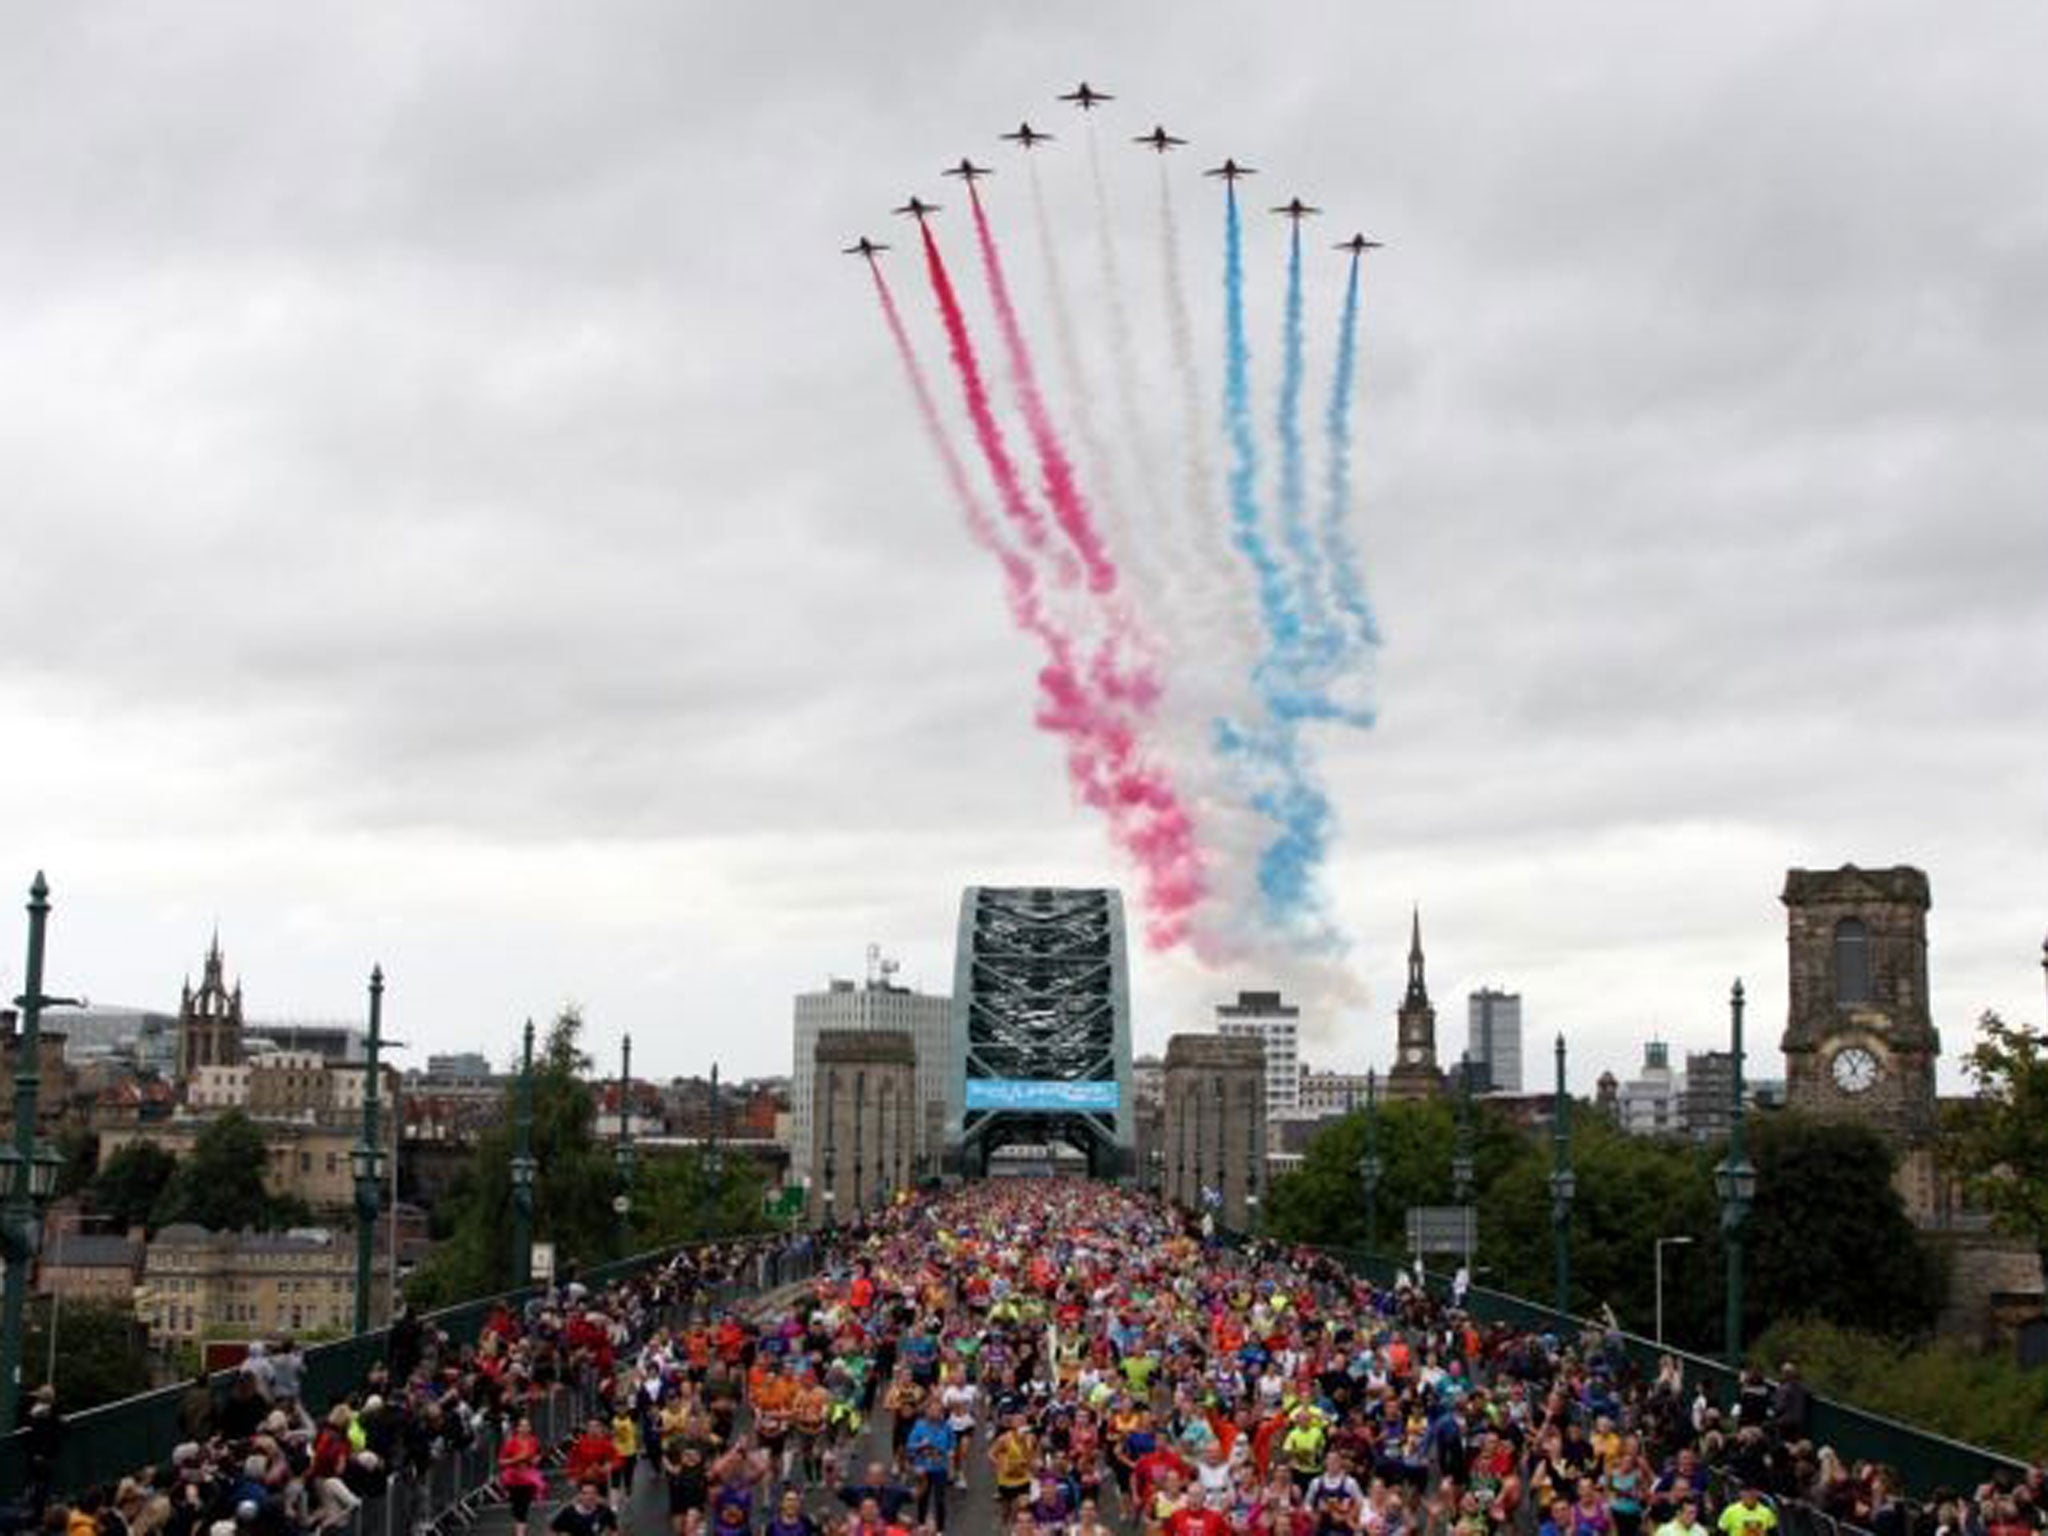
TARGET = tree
(572,1193)
(1946,1385)
(99,1353)
(675,1200)
(1998,1142)
(129,1183)
(1829,1236)
(219,1185)
(575,1186)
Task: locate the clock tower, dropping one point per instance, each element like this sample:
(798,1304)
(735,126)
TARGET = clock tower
(1860,1043)
(1415,1074)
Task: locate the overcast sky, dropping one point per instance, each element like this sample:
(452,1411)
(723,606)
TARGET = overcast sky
(461,512)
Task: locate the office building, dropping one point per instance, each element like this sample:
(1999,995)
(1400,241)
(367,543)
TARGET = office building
(876,1003)
(1650,1103)
(1276,1025)
(1493,1039)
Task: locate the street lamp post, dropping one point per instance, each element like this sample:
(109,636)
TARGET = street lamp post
(523,1170)
(368,1157)
(1463,1169)
(1662,1244)
(622,1153)
(1563,1186)
(29,1167)
(714,1162)
(1370,1169)
(1735,1183)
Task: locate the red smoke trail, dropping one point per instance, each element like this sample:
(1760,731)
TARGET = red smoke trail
(1064,709)
(1069,506)
(1104,761)
(987,431)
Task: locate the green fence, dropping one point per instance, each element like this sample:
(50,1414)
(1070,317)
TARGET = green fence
(105,1443)
(1924,1460)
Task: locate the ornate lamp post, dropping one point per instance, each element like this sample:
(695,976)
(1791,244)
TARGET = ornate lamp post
(622,1151)
(523,1170)
(1370,1169)
(1735,1183)
(367,1160)
(1463,1170)
(714,1158)
(29,1168)
(1462,1180)
(1563,1185)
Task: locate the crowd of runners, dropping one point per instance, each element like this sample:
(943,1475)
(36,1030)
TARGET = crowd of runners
(1070,1359)
(1021,1358)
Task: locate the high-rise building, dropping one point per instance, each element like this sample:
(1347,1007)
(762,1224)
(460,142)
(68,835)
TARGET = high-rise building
(1493,1039)
(1709,1089)
(1276,1025)
(876,1003)
(1649,1101)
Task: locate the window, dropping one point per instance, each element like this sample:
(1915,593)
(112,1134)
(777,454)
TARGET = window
(1852,961)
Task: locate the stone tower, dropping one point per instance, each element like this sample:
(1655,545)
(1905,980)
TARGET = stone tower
(1859,1041)
(1415,1074)
(209,1019)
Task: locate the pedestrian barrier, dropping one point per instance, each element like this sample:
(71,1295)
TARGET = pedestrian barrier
(103,1444)
(1923,1459)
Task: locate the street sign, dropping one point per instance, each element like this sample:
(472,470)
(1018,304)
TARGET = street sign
(544,1263)
(1443,1229)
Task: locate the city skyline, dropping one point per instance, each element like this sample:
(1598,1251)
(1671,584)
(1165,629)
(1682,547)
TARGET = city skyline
(492,543)
(754,1053)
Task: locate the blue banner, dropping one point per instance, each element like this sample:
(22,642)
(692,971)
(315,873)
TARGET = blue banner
(1000,1093)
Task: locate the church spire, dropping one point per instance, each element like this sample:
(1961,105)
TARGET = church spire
(1418,986)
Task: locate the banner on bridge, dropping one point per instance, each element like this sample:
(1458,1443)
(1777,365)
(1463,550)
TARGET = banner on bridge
(1040,1094)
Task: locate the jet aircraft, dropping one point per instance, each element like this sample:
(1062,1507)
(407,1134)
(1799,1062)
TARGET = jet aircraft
(1026,136)
(916,208)
(1159,139)
(1295,209)
(1358,245)
(1086,97)
(1230,170)
(968,171)
(864,247)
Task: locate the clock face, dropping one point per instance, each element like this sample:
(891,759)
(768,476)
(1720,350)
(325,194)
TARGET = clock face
(1854,1069)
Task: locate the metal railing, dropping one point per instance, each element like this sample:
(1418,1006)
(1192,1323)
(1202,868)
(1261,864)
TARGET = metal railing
(103,1444)
(1923,1459)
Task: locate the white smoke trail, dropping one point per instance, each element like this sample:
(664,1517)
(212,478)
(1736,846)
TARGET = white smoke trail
(1124,368)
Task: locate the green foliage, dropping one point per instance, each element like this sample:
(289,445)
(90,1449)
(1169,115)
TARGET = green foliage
(1943,1385)
(99,1353)
(220,1184)
(1828,1234)
(676,1200)
(574,1188)
(1999,1141)
(129,1184)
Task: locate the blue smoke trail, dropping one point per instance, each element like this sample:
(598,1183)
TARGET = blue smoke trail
(1289,796)
(1347,584)
(1283,626)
